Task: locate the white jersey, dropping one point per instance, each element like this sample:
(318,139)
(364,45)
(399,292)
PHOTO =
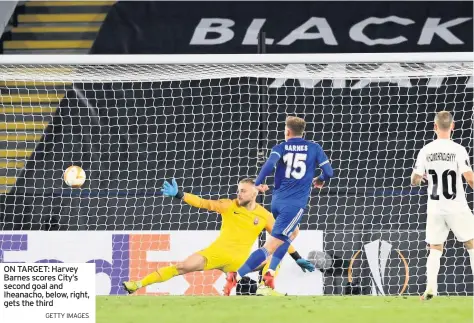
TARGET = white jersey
(444,162)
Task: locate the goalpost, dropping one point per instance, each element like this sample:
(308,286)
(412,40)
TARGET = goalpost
(133,121)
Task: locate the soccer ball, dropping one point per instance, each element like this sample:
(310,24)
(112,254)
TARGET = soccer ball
(74,176)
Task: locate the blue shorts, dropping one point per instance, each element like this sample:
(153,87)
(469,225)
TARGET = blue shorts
(287,219)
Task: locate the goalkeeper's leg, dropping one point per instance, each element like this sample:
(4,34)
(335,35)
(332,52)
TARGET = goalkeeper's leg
(195,262)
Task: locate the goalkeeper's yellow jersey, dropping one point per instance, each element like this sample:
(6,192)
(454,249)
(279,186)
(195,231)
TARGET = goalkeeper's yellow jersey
(240,227)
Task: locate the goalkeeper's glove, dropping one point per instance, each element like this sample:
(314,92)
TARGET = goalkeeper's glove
(303,263)
(172,189)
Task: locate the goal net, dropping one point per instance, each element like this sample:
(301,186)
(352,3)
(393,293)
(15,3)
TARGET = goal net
(209,123)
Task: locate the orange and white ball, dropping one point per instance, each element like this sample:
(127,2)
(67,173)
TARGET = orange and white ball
(74,176)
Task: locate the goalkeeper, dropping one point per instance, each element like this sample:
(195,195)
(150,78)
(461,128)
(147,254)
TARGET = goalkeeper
(243,219)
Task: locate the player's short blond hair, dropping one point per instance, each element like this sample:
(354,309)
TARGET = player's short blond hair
(296,125)
(247,181)
(444,120)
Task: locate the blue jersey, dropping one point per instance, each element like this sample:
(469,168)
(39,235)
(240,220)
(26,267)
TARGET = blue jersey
(295,170)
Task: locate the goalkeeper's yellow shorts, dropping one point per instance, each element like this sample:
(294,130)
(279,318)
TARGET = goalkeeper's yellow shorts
(223,259)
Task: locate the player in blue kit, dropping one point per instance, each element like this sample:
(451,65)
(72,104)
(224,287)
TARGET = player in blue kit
(296,160)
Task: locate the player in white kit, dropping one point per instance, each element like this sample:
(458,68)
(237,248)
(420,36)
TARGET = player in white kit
(443,163)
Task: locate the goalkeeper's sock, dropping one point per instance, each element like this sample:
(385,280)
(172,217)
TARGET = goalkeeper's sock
(255,259)
(161,275)
(471,255)
(432,270)
(278,255)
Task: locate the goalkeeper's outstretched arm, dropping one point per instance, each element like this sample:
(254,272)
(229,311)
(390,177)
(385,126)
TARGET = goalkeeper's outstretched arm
(193,200)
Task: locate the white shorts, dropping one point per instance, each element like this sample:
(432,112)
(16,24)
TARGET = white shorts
(439,224)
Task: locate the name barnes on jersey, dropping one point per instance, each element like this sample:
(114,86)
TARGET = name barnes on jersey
(296,147)
(449,157)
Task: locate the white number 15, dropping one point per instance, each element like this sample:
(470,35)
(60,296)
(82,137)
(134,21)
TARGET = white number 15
(295,165)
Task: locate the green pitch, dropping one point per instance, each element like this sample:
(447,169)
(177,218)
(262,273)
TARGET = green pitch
(322,309)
